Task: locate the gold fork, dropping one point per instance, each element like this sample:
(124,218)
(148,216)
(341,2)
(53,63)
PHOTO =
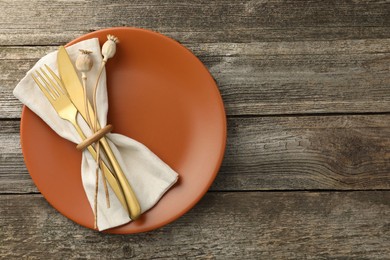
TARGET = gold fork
(58,98)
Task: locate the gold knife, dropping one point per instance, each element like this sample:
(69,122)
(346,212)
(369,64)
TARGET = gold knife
(75,89)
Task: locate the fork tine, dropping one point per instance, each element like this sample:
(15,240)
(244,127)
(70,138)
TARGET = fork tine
(58,79)
(50,83)
(43,89)
(46,85)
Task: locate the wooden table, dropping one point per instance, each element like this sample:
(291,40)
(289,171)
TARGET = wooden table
(306,87)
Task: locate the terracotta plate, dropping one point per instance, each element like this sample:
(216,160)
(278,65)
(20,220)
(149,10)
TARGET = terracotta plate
(159,94)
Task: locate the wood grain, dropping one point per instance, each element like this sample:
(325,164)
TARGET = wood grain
(325,152)
(56,22)
(243,225)
(306,89)
(348,76)
(271,153)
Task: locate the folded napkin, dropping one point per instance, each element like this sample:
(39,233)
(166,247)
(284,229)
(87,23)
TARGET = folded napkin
(148,175)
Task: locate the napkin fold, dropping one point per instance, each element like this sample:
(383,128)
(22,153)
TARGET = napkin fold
(148,175)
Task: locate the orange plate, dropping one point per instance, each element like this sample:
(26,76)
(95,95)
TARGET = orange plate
(159,94)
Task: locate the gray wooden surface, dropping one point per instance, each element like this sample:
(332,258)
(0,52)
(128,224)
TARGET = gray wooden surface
(306,86)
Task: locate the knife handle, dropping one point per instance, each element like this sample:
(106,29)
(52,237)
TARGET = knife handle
(132,203)
(131,199)
(114,184)
(116,187)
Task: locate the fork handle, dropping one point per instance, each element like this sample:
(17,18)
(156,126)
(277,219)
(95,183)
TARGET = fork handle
(133,206)
(116,187)
(131,199)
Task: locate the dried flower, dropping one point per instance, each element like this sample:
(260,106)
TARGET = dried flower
(109,47)
(84,61)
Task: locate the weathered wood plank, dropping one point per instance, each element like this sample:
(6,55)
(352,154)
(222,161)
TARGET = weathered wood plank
(269,153)
(250,225)
(265,78)
(56,22)
(16,183)
(332,152)
(269,58)
(11,158)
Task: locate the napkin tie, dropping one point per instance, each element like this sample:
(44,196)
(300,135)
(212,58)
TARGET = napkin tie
(94,137)
(148,175)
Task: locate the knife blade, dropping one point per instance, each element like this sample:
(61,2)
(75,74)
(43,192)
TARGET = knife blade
(75,90)
(72,83)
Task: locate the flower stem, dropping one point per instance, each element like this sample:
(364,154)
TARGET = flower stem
(95,123)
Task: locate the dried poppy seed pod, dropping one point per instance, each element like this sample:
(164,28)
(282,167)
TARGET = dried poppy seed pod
(84,61)
(109,47)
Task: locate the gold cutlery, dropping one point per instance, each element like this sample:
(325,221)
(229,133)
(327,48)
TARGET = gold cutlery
(75,90)
(55,92)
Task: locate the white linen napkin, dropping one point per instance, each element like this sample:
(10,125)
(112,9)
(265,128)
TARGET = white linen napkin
(148,175)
